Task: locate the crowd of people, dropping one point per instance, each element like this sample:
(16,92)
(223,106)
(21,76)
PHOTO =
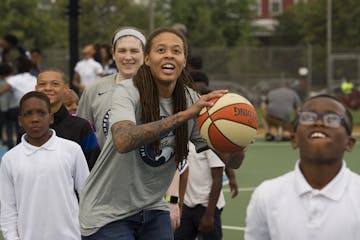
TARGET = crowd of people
(120,156)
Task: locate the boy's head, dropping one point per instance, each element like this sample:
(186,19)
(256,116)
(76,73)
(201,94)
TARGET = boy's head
(71,101)
(35,117)
(5,70)
(53,84)
(323,130)
(201,81)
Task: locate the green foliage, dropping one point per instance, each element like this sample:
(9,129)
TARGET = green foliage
(34,27)
(98,21)
(46,25)
(306,23)
(210,23)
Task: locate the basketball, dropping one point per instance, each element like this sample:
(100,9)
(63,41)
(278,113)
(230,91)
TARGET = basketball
(230,124)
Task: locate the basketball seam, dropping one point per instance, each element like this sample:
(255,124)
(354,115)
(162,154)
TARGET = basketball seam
(233,122)
(213,123)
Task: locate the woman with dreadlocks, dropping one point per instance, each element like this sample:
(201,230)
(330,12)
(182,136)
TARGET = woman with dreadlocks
(153,116)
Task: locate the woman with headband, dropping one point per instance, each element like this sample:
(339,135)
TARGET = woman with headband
(95,102)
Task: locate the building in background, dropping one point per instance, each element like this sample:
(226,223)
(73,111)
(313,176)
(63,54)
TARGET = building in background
(266,12)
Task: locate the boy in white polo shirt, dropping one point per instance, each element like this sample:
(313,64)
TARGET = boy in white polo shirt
(320,199)
(40,177)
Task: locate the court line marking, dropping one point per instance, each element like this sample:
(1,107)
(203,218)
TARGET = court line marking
(248,189)
(270,144)
(233,228)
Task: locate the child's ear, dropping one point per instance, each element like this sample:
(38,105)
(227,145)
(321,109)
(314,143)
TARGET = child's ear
(51,118)
(350,144)
(294,143)
(19,121)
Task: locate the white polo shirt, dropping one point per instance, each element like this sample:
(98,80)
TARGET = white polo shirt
(88,70)
(37,190)
(200,180)
(21,84)
(287,208)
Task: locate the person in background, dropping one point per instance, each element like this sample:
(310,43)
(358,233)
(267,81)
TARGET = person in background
(194,63)
(204,200)
(71,101)
(201,81)
(35,56)
(40,178)
(277,111)
(152,120)
(20,84)
(106,60)
(320,198)
(87,70)
(5,72)
(52,83)
(8,42)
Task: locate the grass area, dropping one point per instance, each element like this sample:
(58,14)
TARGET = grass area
(356,117)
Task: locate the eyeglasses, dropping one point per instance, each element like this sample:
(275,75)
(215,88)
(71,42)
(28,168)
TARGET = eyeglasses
(331,120)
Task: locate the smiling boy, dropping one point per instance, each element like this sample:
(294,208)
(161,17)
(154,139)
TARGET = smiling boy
(320,199)
(53,84)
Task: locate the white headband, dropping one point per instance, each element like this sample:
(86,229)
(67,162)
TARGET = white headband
(129,32)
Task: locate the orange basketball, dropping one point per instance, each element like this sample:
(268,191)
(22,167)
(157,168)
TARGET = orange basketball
(230,124)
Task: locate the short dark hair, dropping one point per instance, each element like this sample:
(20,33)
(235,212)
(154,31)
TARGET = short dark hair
(36,50)
(195,62)
(34,94)
(348,114)
(198,76)
(23,64)
(5,69)
(12,39)
(51,69)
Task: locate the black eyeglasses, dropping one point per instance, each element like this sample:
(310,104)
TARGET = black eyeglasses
(331,120)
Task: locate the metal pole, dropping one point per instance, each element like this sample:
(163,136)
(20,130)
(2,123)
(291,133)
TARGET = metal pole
(73,11)
(151,15)
(328,44)
(309,66)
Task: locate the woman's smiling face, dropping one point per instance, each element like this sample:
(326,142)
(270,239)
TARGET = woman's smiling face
(166,58)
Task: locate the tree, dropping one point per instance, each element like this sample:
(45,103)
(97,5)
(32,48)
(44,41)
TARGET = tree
(209,22)
(305,23)
(33,25)
(99,19)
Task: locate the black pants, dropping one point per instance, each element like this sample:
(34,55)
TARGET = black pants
(190,221)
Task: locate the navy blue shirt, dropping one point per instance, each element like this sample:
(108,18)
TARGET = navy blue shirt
(78,130)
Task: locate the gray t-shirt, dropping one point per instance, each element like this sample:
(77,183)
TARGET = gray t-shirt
(123,184)
(281,103)
(95,103)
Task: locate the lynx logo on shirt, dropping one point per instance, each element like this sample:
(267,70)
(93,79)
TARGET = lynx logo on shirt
(167,151)
(105,123)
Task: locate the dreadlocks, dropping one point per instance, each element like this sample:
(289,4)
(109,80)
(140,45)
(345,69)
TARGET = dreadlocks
(145,83)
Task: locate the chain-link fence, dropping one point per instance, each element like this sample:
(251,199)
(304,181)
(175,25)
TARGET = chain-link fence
(252,71)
